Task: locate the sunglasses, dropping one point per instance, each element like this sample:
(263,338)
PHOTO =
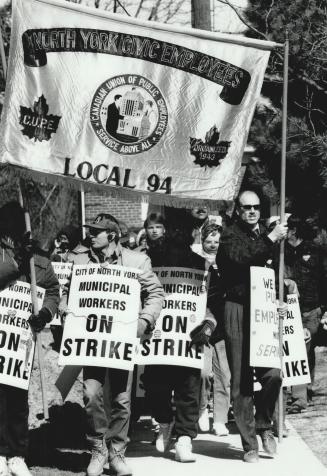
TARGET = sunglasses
(249,207)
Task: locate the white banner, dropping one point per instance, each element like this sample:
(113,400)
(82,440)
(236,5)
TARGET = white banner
(16,338)
(295,361)
(62,272)
(104,303)
(264,340)
(184,308)
(129,105)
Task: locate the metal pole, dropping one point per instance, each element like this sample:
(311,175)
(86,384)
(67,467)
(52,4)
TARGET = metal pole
(35,309)
(82,204)
(201,14)
(32,265)
(282,219)
(2,52)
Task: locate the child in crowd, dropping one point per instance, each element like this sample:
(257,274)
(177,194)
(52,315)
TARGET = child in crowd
(215,359)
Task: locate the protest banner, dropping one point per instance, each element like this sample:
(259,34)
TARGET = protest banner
(264,338)
(123,123)
(101,326)
(184,309)
(16,338)
(63,272)
(295,361)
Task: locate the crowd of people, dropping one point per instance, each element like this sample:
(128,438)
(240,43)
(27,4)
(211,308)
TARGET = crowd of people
(178,398)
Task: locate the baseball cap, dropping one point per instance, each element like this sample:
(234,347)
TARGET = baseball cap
(104,221)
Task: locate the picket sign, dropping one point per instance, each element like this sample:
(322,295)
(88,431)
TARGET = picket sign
(184,309)
(63,272)
(264,340)
(100,329)
(295,360)
(17,342)
(264,348)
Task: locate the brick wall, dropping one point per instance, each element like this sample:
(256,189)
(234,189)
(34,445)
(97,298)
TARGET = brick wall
(122,209)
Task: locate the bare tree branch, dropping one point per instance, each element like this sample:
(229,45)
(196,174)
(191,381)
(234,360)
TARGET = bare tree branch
(139,7)
(154,11)
(46,201)
(122,6)
(300,76)
(248,25)
(268,14)
(172,13)
(311,82)
(314,109)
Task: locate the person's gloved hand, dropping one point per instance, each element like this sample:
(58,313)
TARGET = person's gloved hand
(63,314)
(278,233)
(324,321)
(307,335)
(202,333)
(142,325)
(63,309)
(282,311)
(38,321)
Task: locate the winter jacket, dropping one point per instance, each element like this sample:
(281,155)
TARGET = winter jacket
(215,303)
(171,255)
(239,249)
(304,264)
(45,277)
(168,254)
(152,294)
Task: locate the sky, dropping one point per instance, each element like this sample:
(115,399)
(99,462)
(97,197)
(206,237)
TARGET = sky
(178,12)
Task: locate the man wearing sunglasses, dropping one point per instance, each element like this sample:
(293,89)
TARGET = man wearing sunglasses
(244,244)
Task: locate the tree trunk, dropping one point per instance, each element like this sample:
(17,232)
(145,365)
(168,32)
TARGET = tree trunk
(201,14)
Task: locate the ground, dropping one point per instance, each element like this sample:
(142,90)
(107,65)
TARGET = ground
(312,423)
(57,447)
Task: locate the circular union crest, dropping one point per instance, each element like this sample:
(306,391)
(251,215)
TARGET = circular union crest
(128,114)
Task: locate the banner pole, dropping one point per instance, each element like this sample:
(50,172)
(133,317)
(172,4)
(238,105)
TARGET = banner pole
(282,219)
(32,266)
(35,308)
(2,52)
(82,205)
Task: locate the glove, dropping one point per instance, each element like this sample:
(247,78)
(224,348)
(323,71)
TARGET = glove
(278,233)
(63,315)
(38,321)
(142,325)
(307,335)
(24,251)
(282,311)
(201,334)
(324,321)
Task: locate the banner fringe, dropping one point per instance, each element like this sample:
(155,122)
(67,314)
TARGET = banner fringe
(12,173)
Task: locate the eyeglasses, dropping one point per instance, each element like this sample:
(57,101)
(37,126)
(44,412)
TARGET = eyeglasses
(249,207)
